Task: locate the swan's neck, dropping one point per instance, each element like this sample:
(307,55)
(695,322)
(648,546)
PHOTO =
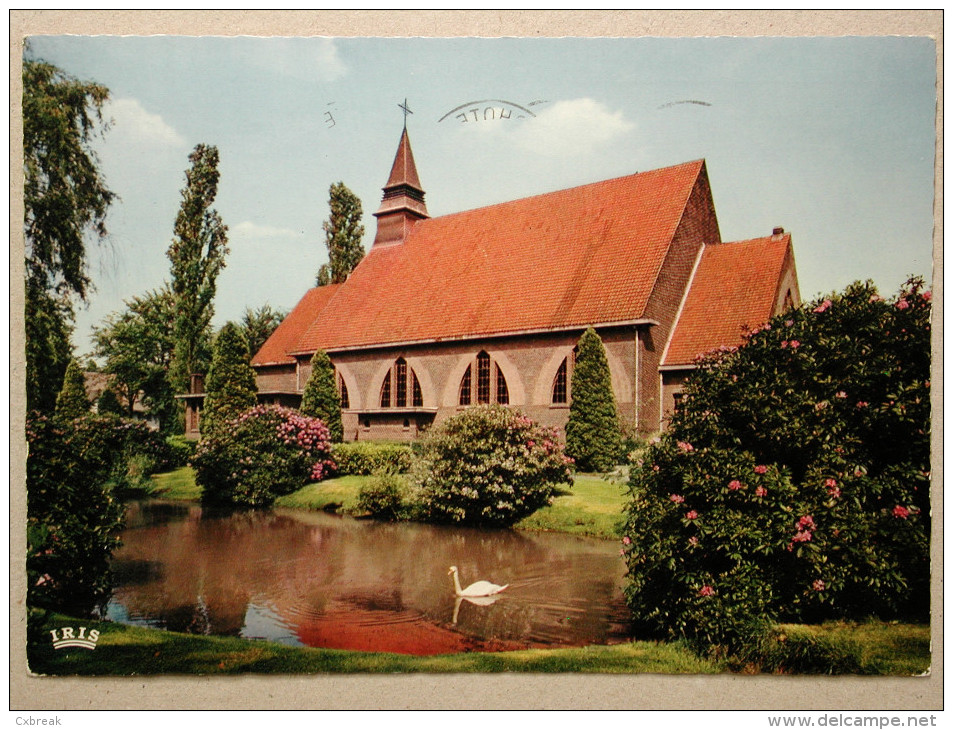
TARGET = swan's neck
(456,583)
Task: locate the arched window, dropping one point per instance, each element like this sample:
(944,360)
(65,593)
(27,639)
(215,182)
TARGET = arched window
(418,394)
(490,383)
(342,389)
(400,369)
(465,386)
(483,378)
(398,382)
(561,383)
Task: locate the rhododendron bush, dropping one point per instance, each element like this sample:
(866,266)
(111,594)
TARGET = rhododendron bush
(793,483)
(490,465)
(261,454)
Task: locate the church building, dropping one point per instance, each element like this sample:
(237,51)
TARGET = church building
(487,305)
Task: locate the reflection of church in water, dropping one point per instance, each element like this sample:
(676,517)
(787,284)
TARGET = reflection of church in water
(487,305)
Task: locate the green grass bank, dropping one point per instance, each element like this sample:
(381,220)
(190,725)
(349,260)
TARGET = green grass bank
(593,507)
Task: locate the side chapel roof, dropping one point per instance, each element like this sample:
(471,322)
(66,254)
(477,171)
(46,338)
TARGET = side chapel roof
(735,285)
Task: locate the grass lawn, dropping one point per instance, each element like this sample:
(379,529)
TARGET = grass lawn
(593,507)
(898,649)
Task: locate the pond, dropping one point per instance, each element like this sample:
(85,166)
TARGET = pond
(322,580)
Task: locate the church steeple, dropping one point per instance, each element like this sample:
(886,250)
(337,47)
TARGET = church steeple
(403,202)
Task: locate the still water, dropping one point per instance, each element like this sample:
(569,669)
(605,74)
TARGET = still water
(315,579)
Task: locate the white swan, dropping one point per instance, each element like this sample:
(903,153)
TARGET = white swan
(474,590)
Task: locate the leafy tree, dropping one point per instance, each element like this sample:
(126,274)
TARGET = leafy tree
(343,233)
(321,398)
(593,437)
(72,521)
(72,401)
(259,324)
(137,346)
(230,387)
(65,198)
(197,253)
(48,326)
(794,483)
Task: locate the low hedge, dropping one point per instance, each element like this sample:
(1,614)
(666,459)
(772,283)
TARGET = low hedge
(363,458)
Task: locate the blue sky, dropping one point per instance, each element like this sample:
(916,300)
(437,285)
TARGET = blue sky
(831,138)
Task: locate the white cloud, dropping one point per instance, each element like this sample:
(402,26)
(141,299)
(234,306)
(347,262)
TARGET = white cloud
(247,229)
(133,123)
(578,126)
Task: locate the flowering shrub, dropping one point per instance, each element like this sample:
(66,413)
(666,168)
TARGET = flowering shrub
(489,465)
(261,454)
(72,521)
(794,483)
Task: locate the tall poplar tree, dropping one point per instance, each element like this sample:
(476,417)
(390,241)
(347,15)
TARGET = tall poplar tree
(197,253)
(343,232)
(593,437)
(65,198)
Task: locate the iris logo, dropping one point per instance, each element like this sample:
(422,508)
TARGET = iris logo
(68,637)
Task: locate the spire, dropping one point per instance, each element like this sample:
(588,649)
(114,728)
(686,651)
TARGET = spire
(403,202)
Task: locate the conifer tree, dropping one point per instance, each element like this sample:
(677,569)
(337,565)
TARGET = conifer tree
(71,402)
(321,398)
(108,402)
(593,437)
(230,387)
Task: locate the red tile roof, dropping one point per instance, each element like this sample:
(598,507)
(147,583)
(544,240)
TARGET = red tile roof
(586,255)
(284,339)
(735,285)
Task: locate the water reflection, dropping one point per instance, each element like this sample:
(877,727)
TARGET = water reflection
(321,580)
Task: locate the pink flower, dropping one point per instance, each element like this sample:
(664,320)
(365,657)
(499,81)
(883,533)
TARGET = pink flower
(530,444)
(830,483)
(677,498)
(784,344)
(693,541)
(802,536)
(840,394)
(767,326)
(691,515)
(706,590)
(760,469)
(789,323)
(876,298)
(626,540)
(734,485)
(927,296)
(818,585)
(761,492)
(795,344)
(806,522)
(901,512)
(622,552)
(903,304)
(862,404)
(824,306)
(685,446)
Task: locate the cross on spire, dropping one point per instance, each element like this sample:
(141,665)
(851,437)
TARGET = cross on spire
(406,111)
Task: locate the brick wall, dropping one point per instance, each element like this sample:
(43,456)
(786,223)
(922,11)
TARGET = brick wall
(699,225)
